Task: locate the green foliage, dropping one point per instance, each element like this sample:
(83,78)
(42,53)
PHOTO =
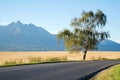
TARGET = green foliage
(86,31)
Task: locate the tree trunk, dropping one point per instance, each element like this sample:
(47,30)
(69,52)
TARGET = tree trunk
(85,53)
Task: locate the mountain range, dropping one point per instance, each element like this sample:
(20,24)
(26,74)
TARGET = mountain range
(17,36)
(108,45)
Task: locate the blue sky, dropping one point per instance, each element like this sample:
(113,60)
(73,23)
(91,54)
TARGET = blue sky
(56,15)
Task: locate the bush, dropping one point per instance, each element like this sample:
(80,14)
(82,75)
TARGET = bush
(10,62)
(35,59)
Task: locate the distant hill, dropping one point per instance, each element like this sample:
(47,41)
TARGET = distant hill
(17,36)
(108,45)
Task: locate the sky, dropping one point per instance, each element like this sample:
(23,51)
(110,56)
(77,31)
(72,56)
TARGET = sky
(56,15)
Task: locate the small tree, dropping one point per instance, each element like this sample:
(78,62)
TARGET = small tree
(87,32)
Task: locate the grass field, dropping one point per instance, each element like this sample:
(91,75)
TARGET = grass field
(112,73)
(28,57)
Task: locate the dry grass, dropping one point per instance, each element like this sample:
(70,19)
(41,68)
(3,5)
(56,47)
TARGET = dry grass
(24,57)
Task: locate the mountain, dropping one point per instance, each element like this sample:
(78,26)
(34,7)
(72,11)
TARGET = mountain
(17,36)
(108,45)
(26,37)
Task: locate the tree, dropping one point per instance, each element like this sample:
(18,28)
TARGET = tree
(87,32)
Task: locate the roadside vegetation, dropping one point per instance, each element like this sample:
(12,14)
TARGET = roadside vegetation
(34,60)
(40,60)
(112,73)
(102,58)
(26,58)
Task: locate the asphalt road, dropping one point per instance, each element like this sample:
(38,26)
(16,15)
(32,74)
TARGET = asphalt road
(54,71)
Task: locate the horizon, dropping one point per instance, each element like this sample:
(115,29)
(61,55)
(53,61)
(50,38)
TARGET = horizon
(55,16)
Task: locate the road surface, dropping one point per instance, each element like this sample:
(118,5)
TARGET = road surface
(54,71)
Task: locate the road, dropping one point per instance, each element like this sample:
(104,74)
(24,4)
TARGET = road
(54,71)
